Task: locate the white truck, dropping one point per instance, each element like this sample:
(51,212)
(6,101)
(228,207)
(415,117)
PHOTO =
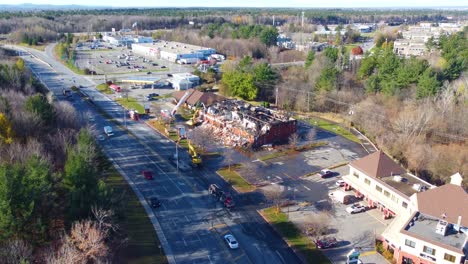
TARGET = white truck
(108,131)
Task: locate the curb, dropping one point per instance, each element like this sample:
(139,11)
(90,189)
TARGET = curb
(298,254)
(157,227)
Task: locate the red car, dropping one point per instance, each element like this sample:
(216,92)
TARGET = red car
(327,242)
(147,174)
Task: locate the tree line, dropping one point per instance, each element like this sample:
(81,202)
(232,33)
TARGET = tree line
(52,193)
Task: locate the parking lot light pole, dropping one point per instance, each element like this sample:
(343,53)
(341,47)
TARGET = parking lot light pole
(177,157)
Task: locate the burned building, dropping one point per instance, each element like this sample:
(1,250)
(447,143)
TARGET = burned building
(239,123)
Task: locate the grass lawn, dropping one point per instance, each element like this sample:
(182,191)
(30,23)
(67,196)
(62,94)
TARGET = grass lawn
(37,47)
(334,128)
(104,88)
(142,246)
(131,103)
(293,236)
(235,179)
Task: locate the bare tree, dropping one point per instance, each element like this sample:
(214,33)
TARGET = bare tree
(311,134)
(15,251)
(202,137)
(294,140)
(317,225)
(275,195)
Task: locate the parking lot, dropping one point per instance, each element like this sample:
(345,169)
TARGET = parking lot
(351,230)
(113,60)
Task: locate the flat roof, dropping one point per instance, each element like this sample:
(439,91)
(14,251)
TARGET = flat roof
(404,186)
(142,79)
(424,228)
(173,47)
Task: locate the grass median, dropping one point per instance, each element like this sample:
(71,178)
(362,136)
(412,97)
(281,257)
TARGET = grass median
(131,103)
(104,88)
(293,236)
(143,244)
(334,128)
(233,177)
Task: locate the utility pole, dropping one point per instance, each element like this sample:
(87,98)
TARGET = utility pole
(276,100)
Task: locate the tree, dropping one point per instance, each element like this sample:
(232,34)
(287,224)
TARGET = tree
(80,179)
(6,132)
(331,53)
(310,58)
(428,85)
(264,79)
(202,137)
(39,105)
(294,140)
(240,84)
(275,195)
(23,192)
(269,36)
(20,64)
(327,79)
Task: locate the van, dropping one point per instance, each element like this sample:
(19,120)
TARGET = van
(108,131)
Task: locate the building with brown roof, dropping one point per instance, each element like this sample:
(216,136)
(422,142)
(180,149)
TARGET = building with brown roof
(430,223)
(196,97)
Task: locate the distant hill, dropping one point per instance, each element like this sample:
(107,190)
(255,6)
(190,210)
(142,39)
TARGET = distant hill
(35,7)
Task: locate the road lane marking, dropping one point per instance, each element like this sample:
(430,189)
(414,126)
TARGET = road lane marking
(306,187)
(279,255)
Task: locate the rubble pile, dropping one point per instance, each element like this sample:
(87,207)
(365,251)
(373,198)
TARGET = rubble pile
(237,123)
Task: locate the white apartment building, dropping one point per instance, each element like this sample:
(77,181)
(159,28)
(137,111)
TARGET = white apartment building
(430,223)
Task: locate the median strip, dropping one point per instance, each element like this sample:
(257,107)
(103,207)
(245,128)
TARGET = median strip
(293,236)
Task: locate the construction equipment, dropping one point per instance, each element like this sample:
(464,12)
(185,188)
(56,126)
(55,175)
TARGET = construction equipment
(196,159)
(224,197)
(181,101)
(193,121)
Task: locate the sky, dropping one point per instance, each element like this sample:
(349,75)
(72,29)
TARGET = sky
(250,3)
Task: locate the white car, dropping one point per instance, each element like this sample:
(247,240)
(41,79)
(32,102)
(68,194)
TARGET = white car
(340,183)
(356,208)
(231,241)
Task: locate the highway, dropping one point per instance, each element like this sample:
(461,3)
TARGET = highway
(190,223)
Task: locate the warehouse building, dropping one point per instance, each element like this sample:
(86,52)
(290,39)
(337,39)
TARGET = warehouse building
(173,51)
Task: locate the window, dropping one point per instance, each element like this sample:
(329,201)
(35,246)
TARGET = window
(386,193)
(355,174)
(449,257)
(367,181)
(404,204)
(429,250)
(378,188)
(407,261)
(410,243)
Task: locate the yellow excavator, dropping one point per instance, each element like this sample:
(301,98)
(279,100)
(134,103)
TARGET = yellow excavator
(194,121)
(196,159)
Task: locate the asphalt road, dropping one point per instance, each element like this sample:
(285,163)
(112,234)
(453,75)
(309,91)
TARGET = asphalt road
(190,224)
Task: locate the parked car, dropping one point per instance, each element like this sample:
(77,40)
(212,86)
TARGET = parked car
(356,208)
(148,73)
(326,242)
(163,67)
(231,241)
(340,183)
(326,173)
(154,202)
(147,174)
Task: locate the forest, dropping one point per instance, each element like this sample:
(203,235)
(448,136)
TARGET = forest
(54,204)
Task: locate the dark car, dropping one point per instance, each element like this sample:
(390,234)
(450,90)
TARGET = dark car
(148,73)
(154,202)
(169,75)
(325,173)
(163,67)
(147,174)
(327,242)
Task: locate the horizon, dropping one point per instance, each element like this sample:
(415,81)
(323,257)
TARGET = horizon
(293,4)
